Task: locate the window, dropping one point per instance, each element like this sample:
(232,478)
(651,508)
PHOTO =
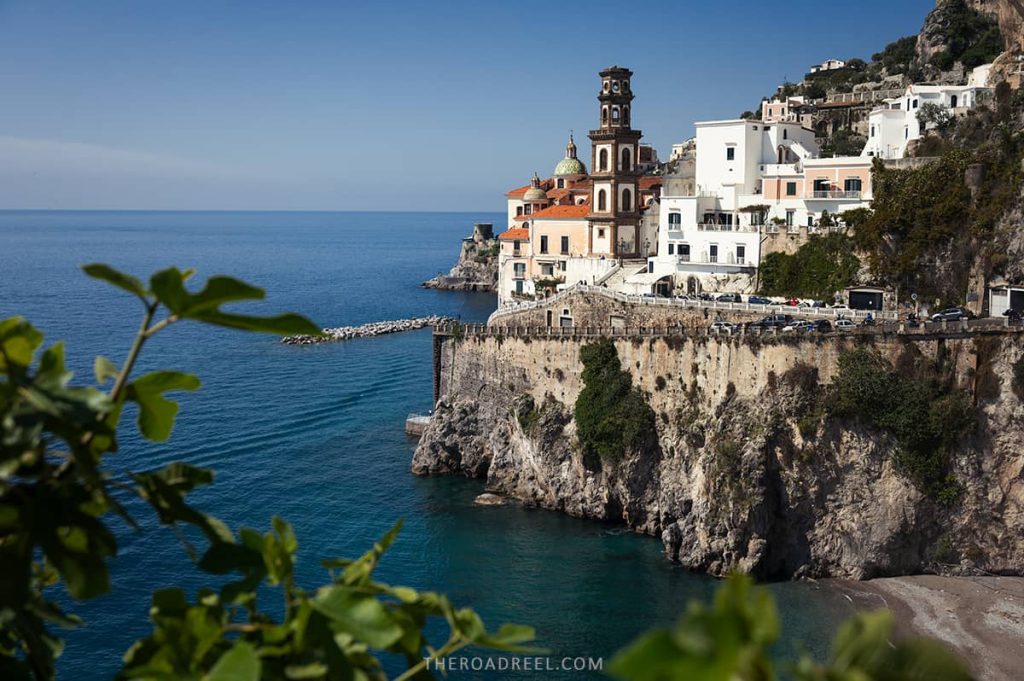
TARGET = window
(671,249)
(543,244)
(821,188)
(785,134)
(604,114)
(519,270)
(730,153)
(519,210)
(675,220)
(600,233)
(872,131)
(615,114)
(713,253)
(810,220)
(602,200)
(952,101)
(906,132)
(627,200)
(565,245)
(626,160)
(547,270)
(852,184)
(915,103)
(791,189)
(561,183)
(528,208)
(741,254)
(561,265)
(602,158)
(625,115)
(683,252)
(789,217)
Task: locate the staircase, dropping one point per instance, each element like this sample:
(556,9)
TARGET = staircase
(619,276)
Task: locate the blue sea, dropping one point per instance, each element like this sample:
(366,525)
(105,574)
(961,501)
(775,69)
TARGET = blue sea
(315,434)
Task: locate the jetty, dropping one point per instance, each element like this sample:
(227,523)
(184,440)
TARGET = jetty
(415,424)
(367,330)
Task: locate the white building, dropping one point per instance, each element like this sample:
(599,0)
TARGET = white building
(753,181)
(894,125)
(828,65)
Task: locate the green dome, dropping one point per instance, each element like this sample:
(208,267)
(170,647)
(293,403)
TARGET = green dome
(570,166)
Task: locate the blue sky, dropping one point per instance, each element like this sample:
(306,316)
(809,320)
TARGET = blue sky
(372,106)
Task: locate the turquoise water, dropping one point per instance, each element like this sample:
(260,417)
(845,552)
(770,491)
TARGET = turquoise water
(315,434)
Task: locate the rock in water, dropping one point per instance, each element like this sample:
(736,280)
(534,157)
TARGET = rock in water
(372,329)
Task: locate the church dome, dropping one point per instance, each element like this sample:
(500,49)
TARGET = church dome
(570,166)
(535,194)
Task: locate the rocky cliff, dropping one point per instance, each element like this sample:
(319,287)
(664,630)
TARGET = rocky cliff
(477,267)
(745,470)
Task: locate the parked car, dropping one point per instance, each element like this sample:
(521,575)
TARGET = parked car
(793,302)
(725,328)
(823,326)
(951,314)
(758,300)
(682,296)
(729,298)
(845,325)
(798,325)
(772,321)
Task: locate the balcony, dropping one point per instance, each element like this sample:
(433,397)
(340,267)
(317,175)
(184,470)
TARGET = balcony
(736,227)
(830,194)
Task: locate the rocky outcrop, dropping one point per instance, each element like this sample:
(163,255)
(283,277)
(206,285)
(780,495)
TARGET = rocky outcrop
(745,472)
(477,268)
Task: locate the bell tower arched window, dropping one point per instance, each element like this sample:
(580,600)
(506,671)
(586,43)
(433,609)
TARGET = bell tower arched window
(604,115)
(625,115)
(602,157)
(602,200)
(627,161)
(615,115)
(627,200)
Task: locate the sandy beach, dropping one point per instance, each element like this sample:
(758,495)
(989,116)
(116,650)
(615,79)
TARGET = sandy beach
(980,618)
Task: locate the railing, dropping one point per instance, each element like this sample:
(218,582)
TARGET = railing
(829,194)
(925,330)
(683,257)
(735,227)
(687,303)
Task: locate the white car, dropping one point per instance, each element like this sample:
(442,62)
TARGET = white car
(793,326)
(845,325)
(727,328)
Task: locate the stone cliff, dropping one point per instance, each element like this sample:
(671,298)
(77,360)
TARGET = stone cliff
(745,471)
(477,267)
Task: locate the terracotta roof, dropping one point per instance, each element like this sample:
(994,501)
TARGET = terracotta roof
(650,181)
(515,233)
(556,194)
(562,212)
(519,191)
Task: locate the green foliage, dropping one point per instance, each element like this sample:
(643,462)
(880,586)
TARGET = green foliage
(819,268)
(935,115)
(732,641)
(329,633)
(611,415)
(844,142)
(925,413)
(897,55)
(969,36)
(56,506)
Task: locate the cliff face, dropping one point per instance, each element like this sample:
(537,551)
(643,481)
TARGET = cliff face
(477,268)
(745,472)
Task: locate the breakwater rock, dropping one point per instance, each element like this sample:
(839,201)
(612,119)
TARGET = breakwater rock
(366,330)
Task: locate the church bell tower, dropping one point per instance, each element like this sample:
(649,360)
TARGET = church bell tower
(614,215)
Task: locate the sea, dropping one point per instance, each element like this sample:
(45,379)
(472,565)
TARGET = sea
(314,434)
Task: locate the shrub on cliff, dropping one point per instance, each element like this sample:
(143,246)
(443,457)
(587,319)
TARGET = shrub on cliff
(924,411)
(819,268)
(611,415)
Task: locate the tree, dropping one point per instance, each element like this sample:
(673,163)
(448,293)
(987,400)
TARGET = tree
(844,142)
(56,504)
(934,115)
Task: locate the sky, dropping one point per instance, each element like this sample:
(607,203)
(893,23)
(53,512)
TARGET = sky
(412,106)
